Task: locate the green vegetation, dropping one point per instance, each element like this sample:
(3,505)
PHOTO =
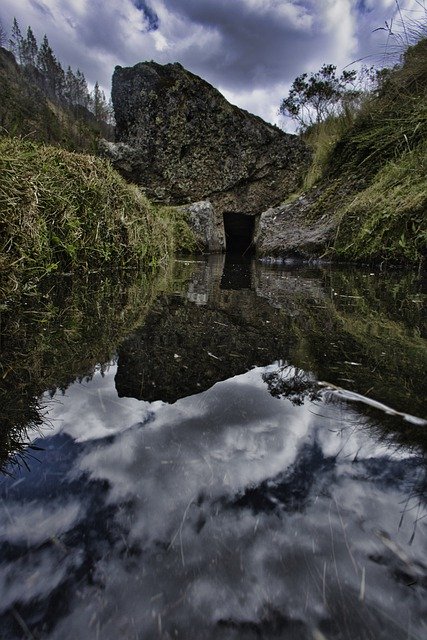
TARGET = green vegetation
(314,98)
(369,167)
(66,211)
(391,121)
(26,110)
(388,218)
(43,102)
(322,138)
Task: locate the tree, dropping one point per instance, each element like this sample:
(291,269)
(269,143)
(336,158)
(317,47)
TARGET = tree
(82,94)
(16,41)
(312,98)
(70,86)
(3,35)
(29,48)
(99,104)
(51,69)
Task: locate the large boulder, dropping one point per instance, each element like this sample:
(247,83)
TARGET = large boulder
(180,139)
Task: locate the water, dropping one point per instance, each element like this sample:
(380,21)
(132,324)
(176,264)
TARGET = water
(197,481)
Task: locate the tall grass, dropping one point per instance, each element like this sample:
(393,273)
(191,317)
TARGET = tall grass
(66,211)
(391,122)
(371,167)
(322,138)
(388,219)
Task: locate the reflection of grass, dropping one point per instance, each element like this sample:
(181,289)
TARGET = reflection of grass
(376,323)
(65,331)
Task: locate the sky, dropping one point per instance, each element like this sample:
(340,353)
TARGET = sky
(251,50)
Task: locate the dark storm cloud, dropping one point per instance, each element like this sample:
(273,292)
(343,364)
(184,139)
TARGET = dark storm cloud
(255,42)
(250,42)
(250,49)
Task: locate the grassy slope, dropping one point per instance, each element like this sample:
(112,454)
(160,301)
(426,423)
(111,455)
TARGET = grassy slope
(26,111)
(67,211)
(383,151)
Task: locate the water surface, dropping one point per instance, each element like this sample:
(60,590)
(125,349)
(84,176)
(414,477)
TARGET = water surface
(198,482)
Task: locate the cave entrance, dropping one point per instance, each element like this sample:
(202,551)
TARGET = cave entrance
(239,233)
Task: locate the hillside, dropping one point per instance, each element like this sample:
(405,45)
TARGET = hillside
(370,202)
(26,111)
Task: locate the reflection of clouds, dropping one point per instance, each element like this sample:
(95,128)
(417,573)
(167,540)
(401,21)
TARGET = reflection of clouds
(34,523)
(239,436)
(186,560)
(92,410)
(35,576)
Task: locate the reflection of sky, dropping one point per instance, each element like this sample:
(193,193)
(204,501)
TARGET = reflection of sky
(227,514)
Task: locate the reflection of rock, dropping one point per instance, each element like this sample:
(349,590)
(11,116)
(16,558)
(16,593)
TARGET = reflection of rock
(289,290)
(339,325)
(204,283)
(184,348)
(185,142)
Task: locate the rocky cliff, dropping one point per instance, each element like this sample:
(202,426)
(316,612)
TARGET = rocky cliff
(180,139)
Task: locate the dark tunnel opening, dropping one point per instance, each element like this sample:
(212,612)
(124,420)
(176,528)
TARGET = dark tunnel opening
(239,233)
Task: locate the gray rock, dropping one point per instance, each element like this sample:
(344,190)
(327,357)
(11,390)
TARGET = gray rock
(207,226)
(287,231)
(183,142)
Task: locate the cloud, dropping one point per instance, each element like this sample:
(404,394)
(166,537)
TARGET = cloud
(250,49)
(151,533)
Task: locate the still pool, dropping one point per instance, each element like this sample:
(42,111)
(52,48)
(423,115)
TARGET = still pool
(247,462)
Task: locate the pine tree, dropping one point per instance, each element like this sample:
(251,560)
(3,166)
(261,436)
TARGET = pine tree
(82,93)
(29,48)
(99,104)
(3,35)
(70,86)
(16,41)
(51,69)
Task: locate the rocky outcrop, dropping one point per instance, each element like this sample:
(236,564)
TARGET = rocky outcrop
(207,226)
(180,139)
(305,228)
(288,231)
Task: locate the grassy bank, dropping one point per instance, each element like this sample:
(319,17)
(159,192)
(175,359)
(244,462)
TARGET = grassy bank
(388,218)
(371,167)
(62,211)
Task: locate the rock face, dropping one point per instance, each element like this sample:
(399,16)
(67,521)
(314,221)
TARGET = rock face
(180,139)
(287,230)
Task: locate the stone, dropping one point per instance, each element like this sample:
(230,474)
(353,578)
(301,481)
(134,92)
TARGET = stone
(207,226)
(180,139)
(287,230)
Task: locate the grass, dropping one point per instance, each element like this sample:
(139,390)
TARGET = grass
(370,169)
(391,122)
(322,138)
(387,220)
(63,211)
